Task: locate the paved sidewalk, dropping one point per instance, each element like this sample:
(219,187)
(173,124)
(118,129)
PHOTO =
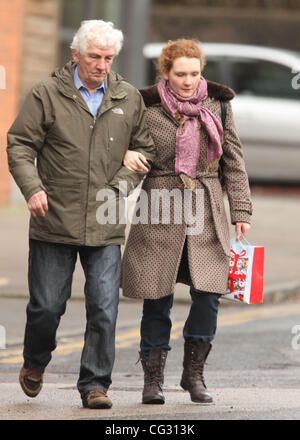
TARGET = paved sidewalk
(275,226)
(60,401)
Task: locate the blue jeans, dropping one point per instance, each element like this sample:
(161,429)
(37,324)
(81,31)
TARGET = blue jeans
(200,325)
(50,273)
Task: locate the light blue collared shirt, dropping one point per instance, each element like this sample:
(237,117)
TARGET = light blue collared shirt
(93,101)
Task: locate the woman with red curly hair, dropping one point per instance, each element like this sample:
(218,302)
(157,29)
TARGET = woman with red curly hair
(184,115)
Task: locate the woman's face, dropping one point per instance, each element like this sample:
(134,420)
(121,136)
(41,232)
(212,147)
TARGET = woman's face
(184,76)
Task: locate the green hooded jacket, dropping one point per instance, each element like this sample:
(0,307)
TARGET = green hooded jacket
(56,145)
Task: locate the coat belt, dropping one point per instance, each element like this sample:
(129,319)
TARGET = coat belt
(204,178)
(163,173)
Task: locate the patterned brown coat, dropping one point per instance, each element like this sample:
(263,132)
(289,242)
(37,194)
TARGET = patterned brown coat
(155,257)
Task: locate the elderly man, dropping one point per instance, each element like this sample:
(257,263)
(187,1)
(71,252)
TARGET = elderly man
(68,143)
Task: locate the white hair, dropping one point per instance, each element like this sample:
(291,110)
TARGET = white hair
(101,33)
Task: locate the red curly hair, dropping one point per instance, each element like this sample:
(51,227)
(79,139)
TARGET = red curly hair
(179,48)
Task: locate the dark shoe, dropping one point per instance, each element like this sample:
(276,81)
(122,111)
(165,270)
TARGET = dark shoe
(31,381)
(96,399)
(192,379)
(154,376)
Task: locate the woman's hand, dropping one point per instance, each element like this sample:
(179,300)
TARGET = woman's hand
(241,227)
(135,161)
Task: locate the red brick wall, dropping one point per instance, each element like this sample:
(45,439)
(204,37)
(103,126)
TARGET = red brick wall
(11,23)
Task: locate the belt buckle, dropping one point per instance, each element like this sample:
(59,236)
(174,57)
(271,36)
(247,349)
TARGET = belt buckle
(180,182)
(186,182)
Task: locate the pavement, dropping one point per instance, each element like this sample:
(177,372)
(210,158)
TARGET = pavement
(275,225)
(266,388)
(60,401)
(252,371)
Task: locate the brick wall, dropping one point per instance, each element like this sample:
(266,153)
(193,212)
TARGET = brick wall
(40,41)
(11,24)
(28,54)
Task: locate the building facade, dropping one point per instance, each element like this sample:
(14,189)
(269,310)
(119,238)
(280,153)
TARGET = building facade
(35,36)
(28,52)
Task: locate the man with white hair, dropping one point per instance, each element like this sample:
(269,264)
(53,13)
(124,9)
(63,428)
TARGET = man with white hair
(68,143)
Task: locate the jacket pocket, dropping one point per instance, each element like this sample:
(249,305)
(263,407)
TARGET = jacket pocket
(119,133)
(64,209)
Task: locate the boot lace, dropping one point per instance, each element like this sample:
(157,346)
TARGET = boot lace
(197,368)
(154,377)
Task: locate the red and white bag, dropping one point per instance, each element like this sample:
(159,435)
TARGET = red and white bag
(246,272)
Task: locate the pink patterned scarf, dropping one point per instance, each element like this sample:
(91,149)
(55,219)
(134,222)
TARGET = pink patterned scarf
(188,111)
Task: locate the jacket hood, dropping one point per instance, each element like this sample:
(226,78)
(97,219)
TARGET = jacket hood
(214,90)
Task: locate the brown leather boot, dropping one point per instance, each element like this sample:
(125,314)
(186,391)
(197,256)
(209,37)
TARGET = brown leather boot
(154,376)
(31,381)
(192,379)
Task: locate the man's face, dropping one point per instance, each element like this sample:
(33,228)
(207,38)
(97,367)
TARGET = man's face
(94,65)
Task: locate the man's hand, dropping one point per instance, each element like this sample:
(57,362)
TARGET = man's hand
(38,204)
(135,161)
(241,227)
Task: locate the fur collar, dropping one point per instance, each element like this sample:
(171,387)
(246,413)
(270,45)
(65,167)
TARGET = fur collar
(215,90)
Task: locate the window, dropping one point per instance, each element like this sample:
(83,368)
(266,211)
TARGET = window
(262,78)
(266,4)
(212,71)
(152,72)
(73,12)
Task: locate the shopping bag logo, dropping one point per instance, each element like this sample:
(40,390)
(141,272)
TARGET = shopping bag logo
(246,273)
(237,274)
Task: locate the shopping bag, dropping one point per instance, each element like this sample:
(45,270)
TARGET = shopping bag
(246,272)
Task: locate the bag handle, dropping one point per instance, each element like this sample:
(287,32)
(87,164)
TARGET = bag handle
(244,239)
